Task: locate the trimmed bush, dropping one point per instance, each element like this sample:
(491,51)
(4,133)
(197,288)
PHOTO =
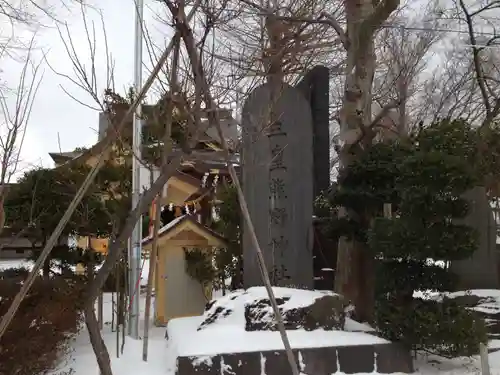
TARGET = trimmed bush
(40,333)
(423,178)
(440,327)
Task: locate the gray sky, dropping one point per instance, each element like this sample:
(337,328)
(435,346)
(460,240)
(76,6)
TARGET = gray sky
(54,112)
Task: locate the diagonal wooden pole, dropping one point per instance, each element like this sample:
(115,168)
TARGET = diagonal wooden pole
(167,149)
(111,137)
(214,119)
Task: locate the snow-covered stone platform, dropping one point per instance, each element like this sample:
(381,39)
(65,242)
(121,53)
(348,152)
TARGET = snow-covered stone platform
(220,342)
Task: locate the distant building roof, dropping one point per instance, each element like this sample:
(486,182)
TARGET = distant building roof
(59,157)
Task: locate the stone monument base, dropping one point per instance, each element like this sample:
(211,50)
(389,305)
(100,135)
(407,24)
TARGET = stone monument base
(378,358)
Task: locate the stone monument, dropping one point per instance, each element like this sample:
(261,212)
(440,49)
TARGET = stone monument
(277,177)
(316,88)
(480,271)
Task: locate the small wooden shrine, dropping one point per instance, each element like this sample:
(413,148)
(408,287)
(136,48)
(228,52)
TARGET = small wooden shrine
(177,293)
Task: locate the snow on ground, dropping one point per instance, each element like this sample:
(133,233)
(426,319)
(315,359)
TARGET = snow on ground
(490,304)
(227,333)
(161,359)
(190,342)
(184,338)
(17,263)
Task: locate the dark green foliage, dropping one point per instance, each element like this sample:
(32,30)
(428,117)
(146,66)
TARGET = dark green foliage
(229,261)
(371,181)
(408,276)
(442,327)
(420,240)
(199,265)
(423,179)
(155,120)
(37,202)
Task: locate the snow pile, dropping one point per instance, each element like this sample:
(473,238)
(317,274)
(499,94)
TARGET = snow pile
(183,334)
(222,327)
(486,301)
(230,309)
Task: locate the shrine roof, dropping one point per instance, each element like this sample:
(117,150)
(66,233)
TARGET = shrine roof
(166,229)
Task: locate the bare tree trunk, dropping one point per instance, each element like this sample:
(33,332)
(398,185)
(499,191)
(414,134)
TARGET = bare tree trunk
(118,308)
(3,194)
(213,116)
(113,307)
(101,149)
(100,313)
(354,277)
(123,301)
(15,119)
(46,265)
(96,341)
(153,255)
(167,141)
(90,318)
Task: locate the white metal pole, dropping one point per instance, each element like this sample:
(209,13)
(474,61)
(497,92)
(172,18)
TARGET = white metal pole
(135,241)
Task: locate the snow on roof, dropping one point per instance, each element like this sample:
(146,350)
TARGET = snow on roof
(165,228)
(227,334)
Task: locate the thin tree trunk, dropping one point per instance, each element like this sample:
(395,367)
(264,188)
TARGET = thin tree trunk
(202,85)
(100,313)
(113,306)
(116,248)
(118,304)
(3,194)
(123,302)
(100,150)
(101,354)
(46,269)
(91,320)
(153,255)
(167,141)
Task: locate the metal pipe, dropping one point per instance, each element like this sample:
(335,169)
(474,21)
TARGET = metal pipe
(135,240)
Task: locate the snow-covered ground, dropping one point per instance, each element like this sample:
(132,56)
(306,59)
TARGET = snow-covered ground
(226,333)
(185,339)
(161,360)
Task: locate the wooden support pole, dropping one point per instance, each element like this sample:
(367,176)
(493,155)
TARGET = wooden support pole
(485,363)
(388,210)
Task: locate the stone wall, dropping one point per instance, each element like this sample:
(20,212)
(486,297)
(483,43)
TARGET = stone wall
(380,358)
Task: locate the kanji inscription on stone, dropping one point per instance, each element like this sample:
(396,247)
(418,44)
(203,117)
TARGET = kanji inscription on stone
(277,179)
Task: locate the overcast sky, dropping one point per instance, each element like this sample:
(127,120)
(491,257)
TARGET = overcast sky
(58,122)
(57,116)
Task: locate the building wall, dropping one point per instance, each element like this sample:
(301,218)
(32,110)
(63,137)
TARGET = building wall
(18,248)
(177,294)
